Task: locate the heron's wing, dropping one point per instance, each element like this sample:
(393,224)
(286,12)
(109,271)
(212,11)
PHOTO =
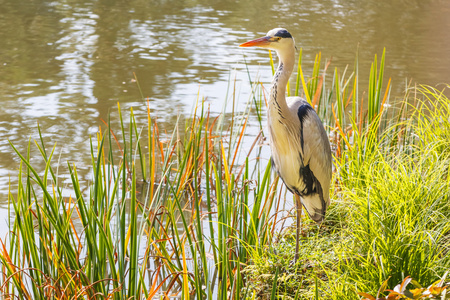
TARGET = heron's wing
(315,147)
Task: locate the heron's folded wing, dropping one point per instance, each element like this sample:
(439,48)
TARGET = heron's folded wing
(316,148)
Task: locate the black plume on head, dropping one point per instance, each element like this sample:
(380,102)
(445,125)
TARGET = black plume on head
(283,33)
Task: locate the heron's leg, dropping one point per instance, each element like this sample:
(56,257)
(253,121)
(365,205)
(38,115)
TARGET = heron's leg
(298,203)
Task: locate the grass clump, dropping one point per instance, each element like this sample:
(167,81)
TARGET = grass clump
(293,280)
(399,222)
(398,204)
(172,234)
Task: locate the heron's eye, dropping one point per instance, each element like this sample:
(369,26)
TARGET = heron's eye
(278,38)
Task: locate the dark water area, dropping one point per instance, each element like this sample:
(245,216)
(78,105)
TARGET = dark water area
(66,64)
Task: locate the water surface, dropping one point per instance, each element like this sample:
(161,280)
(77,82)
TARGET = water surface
(66,64)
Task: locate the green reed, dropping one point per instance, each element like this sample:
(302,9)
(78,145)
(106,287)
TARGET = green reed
(125,237)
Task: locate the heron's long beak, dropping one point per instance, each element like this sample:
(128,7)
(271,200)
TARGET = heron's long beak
(261,42)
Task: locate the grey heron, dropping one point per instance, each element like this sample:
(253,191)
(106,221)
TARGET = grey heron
(301,153)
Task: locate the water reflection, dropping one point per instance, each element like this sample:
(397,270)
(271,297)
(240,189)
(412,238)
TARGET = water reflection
(65,64)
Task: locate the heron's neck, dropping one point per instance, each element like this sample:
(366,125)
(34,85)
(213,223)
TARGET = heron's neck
(280,80)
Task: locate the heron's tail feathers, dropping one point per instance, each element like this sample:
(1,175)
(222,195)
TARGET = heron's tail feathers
(315,206)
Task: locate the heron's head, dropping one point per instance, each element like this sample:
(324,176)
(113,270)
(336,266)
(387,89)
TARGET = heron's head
(278,39)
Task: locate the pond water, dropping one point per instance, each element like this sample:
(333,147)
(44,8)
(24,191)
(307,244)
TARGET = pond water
(66,64)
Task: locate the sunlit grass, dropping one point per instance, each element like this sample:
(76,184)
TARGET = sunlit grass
(192,213)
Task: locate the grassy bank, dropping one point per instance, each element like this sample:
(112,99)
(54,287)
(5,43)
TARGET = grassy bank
(195,213)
